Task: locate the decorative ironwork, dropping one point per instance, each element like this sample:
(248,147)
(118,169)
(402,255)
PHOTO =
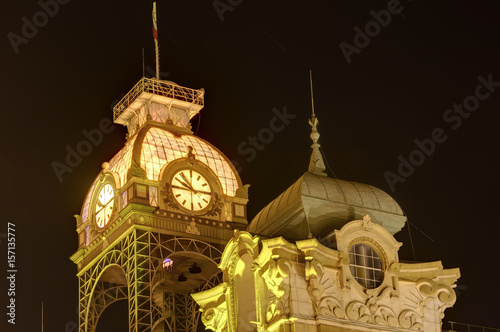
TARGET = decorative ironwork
(139,257)
(160,88)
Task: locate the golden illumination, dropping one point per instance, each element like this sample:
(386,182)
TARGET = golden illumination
(104,205)
(191,190)
(122,160)
(86,204)
(161,147)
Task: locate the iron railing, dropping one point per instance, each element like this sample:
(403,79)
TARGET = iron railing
(461,327)
(160,88)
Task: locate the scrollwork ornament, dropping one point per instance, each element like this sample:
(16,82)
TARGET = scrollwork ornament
(330,306)
(274,310)
(167,197)
(358,311)
(385,316)
(217,206)
(215,319)
(274,276)
(378,293)
(443,293)
(409,319)
(323,305)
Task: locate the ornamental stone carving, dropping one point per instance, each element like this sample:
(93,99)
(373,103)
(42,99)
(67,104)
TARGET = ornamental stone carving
(307,286)
(443,293)
(324,304)
(409,319)
(275,275)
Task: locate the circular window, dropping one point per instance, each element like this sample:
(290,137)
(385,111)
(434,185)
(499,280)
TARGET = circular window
(365,265)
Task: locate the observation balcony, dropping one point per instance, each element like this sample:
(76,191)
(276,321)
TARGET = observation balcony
(161,92)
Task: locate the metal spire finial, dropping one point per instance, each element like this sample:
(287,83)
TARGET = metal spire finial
(316,164)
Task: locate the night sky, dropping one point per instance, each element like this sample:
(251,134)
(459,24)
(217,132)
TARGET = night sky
(396,85)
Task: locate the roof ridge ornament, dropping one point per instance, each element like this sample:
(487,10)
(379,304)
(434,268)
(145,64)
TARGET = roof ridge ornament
(316,164)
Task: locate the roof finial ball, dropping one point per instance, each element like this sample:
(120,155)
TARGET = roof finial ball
(316,164)
(105,166)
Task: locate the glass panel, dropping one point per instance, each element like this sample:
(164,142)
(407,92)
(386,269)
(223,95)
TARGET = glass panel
(153,195)
(123,200)
(87,235)
(365,266)
(85,210)
(122,161)
(161,147)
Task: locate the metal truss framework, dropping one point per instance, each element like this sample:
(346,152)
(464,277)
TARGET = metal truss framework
(131,269)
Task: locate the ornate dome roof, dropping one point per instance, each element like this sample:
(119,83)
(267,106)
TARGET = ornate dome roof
(325,204)
(154,146)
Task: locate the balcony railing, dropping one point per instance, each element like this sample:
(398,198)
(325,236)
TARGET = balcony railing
(160,88)
(461,327)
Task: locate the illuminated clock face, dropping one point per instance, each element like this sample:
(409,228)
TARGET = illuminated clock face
(104,205)
(191,190)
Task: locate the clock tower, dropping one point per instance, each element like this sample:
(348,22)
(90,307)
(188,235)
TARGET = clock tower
(155,220)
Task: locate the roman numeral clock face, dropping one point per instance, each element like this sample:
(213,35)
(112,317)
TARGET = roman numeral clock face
(191,190)
(104,205)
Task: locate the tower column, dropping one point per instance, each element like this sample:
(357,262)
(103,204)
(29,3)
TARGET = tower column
(139,281)
(124,272)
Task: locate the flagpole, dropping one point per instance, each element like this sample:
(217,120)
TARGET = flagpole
(157,48)
(157,60)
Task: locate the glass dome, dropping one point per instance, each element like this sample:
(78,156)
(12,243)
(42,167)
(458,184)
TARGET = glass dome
(153,148)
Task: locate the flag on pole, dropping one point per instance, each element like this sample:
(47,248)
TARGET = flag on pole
(155,27)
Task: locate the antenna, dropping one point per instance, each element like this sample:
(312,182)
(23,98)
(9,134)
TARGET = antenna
(42,316)
(143,74)
(155,35)
(312,95)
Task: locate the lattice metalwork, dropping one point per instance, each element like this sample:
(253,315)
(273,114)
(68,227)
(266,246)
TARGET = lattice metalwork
(104,295)
(161,88)
(132,269)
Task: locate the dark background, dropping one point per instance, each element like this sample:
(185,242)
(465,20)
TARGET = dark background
(67,78)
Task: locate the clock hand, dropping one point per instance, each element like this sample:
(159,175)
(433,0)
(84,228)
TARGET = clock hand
(187,186)
(186,179)
(183,183)
(188,183)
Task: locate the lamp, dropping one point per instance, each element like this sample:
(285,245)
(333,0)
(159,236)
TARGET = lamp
(195,269)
